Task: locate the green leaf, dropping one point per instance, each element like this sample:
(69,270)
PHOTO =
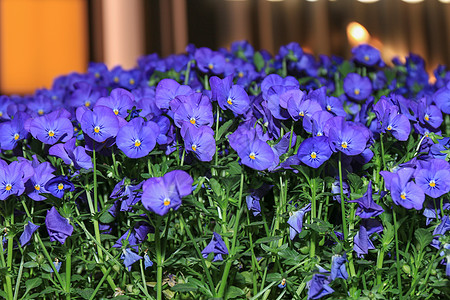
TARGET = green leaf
(32,283)
(106,217)
(86,293)
(223,129)
(233,292)
(345,68)
(258,61)
(423,237)
(215,186)
(30,264)
(268,239)
(274,277)
(388,235)
(184,287)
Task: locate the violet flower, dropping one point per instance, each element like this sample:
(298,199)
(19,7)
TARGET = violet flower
(26,235)
(11,180)
(338,269)
(120,101)
(137,138)
(403,191)
(51,128)
(357,87)
(72,154)
(362,242)
(58,185)
(367,208)
(199,141)
(161,194)
(314,151)
(58,228)
(129,258)
(318,285)
(434,177)
(99,124)
(13,131)
(296,221)
(216,246)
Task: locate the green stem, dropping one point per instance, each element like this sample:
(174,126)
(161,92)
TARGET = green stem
(182,158)
(19,277)
(206,82)
(380,259)
(284,70)
(397,254)
(97,288)
(255,264)
(291,135)
(224,280)
(312,248)
(344,218)
(115,168)
(144,282)
(9,259)
(159,259)
(68,267)
(187,74)
(199,253)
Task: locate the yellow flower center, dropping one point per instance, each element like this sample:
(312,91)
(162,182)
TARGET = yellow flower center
(8,187)
(1,114)
(137,143)
(240,74)
(230,101)
(210,66)
(16,136)
(194,147)
(366,57)
(41,112)
(116,111)
(356,91)
(301,114)
(329,107)
(427,117)
(313,155)
(97,75)
(403,195)
(319,134)
(54,97)
(432,183)
(60,186)
(192,120)
(344,145)
(116,79)
(166,201)
(51,133)
(96,129)
(389,127)
(87,103)
(252,155)
(75,129)
(37,187)
(131,81)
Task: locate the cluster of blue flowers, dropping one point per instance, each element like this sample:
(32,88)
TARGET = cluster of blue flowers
(271,114)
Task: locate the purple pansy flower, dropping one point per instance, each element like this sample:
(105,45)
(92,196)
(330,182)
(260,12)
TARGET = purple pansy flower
(367,208)
(216,246)
(209,61)
(58,227)
(137,138)
(296,221)
(195,108)
(11,180)
(58,185)
(72,154)
(161,194)
(229,96)
(13,131)
(318,286)
(357,87)
(314,151)
(362,242)
(200,141)
(120,101)
(434,177)
(403,191)
(440,230)
(338,269)
(100,123)
(346,137)
(367,55)
(52,128)
(167,90)
(26,235)
(129,258)
(43,172)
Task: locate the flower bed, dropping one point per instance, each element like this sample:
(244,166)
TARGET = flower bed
(229,174)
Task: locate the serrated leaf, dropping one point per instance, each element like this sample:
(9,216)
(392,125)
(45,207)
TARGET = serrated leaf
(86,293)
(184,287)
(215,186)
(223,129)
(274,277)
(233,292)
(32,283)
(106,218)
(423,237)
(268,239)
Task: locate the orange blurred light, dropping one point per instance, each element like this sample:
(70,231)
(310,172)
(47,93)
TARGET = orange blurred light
(39,41)
(357,34)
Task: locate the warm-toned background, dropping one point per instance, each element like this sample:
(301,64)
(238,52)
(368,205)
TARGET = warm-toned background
(41,39)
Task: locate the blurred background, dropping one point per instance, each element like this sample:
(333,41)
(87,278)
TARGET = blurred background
(42,39)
